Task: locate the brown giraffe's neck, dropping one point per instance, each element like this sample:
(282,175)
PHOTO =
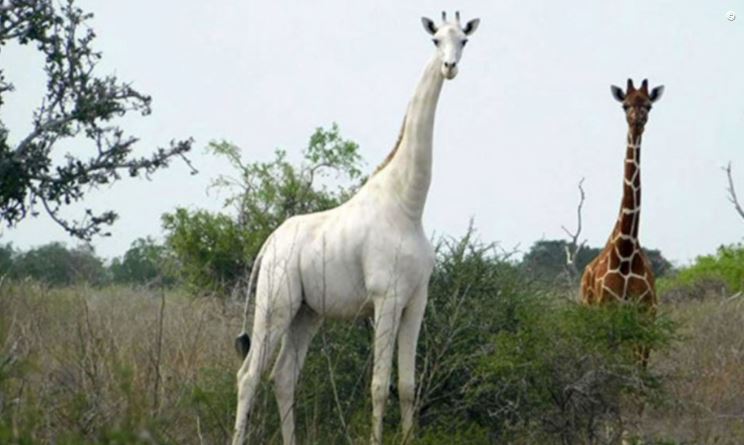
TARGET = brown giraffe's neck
(625,234)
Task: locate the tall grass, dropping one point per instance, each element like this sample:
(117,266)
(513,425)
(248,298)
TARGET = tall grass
(496,365)
(111,365)
(705,403)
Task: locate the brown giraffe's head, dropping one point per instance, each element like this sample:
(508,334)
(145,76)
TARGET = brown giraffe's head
(637,102)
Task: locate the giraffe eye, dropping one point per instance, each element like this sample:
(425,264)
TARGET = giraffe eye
(464,42)
(436,42)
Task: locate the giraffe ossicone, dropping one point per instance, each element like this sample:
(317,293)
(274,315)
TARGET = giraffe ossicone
(369,255)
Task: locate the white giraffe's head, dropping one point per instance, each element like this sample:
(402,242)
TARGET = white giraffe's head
(450,38)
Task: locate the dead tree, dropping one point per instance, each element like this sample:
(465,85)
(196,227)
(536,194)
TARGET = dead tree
(732,192)
(573,246)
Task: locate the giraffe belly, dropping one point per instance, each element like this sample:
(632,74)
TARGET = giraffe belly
(353,258)
(330,265)
(335,287)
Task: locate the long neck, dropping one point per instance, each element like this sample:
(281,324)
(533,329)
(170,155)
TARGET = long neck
(630,209)
(410,168)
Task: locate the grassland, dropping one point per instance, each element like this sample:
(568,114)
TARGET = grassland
(120,365)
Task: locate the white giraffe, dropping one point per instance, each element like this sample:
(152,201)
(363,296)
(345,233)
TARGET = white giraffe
(369,255)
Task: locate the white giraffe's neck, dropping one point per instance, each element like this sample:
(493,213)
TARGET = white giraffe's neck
(409,171)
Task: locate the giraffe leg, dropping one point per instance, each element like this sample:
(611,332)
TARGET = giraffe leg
(275,309)
(288,365)
(248,378)
(387,319)
(410,324)
(586,291)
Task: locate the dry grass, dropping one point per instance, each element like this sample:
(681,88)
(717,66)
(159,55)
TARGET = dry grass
(99,366)
(88,365)
(706,369)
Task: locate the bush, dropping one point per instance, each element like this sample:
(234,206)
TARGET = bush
(6,259)
(472,295)
(56,265)
(210,249)
(499,360)
(146,262)
(545,261)
(717,274)
(215,250)
(564,375)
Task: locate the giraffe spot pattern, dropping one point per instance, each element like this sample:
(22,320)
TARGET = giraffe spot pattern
(621,272)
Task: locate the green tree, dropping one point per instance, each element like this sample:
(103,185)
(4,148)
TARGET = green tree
(215,250)
(208,247)
(722,273)
(659,265)
(143,263)
(546,261)
(79,110)
(55,264)
(6,259)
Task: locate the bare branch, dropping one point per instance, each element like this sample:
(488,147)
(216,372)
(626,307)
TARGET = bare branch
(732,192)
(78,105)
(574,246)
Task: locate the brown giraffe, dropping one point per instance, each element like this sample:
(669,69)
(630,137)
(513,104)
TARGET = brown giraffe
(622,272)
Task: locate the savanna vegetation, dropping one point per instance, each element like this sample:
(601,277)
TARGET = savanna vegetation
(502,359)
(138,349)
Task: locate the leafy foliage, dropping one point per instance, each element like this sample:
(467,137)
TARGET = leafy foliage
(78,105)
(267,193)
(215,250)
(144,263)
(210,248)
(55,264)
(500,360)
(470,298)
(566,373)
(721,273)
(546,261)
(6,259)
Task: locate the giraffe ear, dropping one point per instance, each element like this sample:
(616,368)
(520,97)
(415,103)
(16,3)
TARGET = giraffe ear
(429,25)
(617,93)
(656,93)
(471,26)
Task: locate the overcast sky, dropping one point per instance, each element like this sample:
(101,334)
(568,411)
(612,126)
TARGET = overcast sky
(529,114)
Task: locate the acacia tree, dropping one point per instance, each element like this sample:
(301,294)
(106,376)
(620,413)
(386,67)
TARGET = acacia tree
(78,111)
(145,263)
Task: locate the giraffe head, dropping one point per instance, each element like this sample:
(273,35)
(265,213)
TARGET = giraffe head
(450,38)
(637,102)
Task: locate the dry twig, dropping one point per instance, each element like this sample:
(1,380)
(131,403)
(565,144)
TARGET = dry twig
(574,246)
(732,192)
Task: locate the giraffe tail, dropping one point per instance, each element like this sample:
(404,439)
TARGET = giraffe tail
(243,341)
(243,345)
